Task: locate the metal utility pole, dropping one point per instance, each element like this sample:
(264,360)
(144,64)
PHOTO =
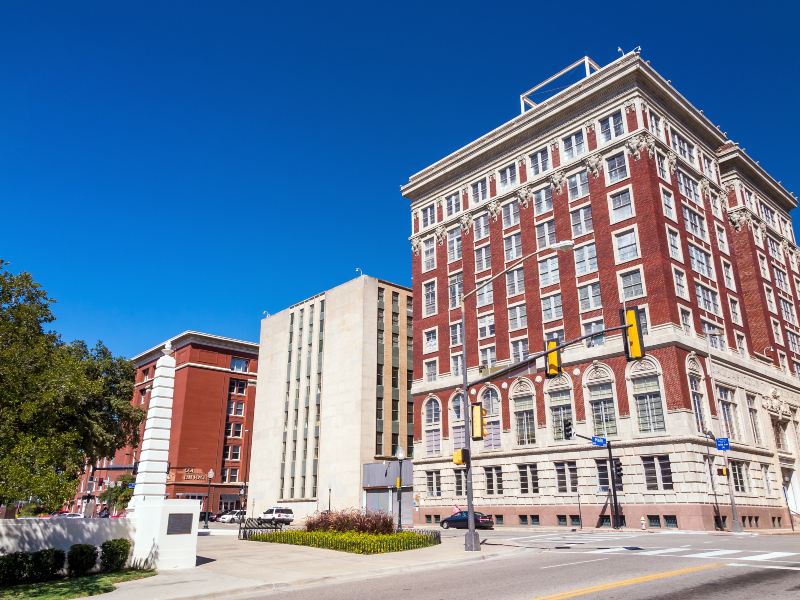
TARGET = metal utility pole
(612,478)
(210,475)
(718,515)
(736,526)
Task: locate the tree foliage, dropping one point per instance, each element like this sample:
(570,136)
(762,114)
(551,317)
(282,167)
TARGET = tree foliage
(61,404)
(118,496)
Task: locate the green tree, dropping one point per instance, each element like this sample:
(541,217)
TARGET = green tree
(61,405)
(117,497)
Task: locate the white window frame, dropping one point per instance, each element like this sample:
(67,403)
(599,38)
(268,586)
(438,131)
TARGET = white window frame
(610,199)
(620,285)
(618,259)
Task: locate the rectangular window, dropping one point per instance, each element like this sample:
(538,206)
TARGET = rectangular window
(617,168)
(591,327)
(551,307)
(603,483)
(578,185)
(627,247)
(513,246)
(455,289)
(543,200)
(494,480)
(548,271)
(787,311)
(546,234)
(727,274)
(561,410)
(621,206)
(540,161)
(574,145)
(428,254)
(524,420)
(657,472)
(517,318)
(428,215)
(508,177)
(456,364)
(654,125)
(455,334)
(434,484)
(647,396)
(739,476)
(239,364)
(429,294)
(519,350)
(461,482)
(511,214)
(589,296)
(453,203)
(683,146)
(454,244)
(727,408)
(431,339)
(430,370)
(237,386)
(686,321)
(674,240)
(581,221)
(528,479)
(585,259)
(483,258)
(696,390)
(701,261)
(480,191)
(707,298)
(567,477)
(488,356)
(632,286)
(515,282)
(661,165)
(688,187)
(668,202)
(485,326)
(481,226)
(611,127)
(485,293)
(736,316)
(695,223)
(722,239)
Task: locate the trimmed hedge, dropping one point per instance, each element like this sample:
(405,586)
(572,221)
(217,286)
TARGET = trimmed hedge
(114,554)
(81,559)
(351,520)
(46,564)
(15,568)
(351,541)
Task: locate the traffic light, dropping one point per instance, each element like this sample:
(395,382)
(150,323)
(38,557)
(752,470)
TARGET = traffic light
(634,342)
(567,429)
(723,471)
(135,470)
(461,456)
(618,472)
(552,359)
(478,421)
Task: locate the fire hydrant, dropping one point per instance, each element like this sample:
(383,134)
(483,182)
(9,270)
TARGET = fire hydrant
(643,523)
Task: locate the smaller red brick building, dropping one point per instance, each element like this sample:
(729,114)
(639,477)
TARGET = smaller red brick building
(212,417)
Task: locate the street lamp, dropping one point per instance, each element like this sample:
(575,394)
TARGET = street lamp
(472,542)
(208,497)
(400,455)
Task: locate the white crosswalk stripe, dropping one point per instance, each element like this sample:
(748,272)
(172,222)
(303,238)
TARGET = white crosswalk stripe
(689,552)
(767,556)
(663,551)
(607,550)
(712,553)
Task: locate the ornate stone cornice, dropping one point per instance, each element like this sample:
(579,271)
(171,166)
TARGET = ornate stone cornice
(466,222)
(637,144)
(705,187)
(589,126)
(524,195)
(630,105)
(741,216)
(494,209)
(441,234)
(672,161)
(415,245)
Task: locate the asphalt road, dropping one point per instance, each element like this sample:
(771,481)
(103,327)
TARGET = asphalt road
(603,565)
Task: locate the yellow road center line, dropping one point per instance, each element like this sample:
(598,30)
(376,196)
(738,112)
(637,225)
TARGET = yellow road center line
(626,582)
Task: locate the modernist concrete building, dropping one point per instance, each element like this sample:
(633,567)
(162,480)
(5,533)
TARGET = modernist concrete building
(333,395)
(665,213)
(212,417)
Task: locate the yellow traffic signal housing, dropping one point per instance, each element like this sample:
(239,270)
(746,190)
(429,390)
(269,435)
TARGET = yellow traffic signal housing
(552,359)
(461,456)
(722,471)
(478,421)
(634,341)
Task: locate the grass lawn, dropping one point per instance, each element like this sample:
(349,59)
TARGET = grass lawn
(73,587)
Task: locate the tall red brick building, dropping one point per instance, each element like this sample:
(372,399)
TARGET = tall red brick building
(212,419)
(666,214)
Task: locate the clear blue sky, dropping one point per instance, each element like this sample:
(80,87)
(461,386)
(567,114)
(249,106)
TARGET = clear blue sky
(189,167)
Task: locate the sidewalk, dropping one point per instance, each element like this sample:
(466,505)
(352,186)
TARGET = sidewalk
(229,567)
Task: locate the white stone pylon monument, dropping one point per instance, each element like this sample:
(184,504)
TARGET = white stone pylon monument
(166,530)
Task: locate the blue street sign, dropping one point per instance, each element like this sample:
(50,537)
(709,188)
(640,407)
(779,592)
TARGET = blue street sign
(598,441)
(131,486)
(723,444)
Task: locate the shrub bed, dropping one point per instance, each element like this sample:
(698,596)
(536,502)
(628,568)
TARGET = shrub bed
(44,565)
(351,541)
(351,520)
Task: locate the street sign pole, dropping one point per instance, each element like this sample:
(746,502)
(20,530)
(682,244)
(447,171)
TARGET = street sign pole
(736,526)
(612,478)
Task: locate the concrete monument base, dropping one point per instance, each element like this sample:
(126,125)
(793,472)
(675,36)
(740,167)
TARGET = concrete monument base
(166,533)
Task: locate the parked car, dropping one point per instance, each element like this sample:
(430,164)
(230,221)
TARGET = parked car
(211,516)
(233,516)
(69,515)
(278,514)
(459,521)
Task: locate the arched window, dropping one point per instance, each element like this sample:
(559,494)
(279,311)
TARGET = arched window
(491,402)
(524,422)
(433,427)
(646,392)
(696,387)
(457,421)
(559,394)
(599,381)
